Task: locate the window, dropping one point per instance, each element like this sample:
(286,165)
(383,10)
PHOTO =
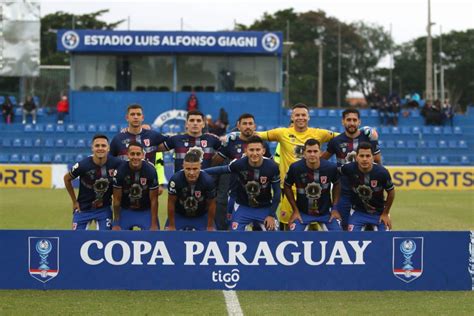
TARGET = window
(94,72)
(153,73)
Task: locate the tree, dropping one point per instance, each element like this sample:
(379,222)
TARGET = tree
(53,22)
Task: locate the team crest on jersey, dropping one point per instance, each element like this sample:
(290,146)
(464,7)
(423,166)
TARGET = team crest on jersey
(263,180)
(235,225)
(203,143)
(111,172)
(323,179)
(407,259)
(146,142)
(197,194)
(142,181)
(43,258)
(373,183)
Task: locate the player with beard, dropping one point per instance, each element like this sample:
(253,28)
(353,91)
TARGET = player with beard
(135,202)
(368,181)
(344,146)
(191,197)
(235,149)
(95,186)
(313,178)
(258,191)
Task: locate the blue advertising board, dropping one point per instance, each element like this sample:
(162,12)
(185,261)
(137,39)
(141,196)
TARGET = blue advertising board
(100,41)
(334,261)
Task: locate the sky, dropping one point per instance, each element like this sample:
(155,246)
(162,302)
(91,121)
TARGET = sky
(407,18)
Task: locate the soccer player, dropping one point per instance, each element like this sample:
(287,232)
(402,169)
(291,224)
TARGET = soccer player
(235,149)
(313,178)
(258,177)
(95,186)
(368,182)
(194,137)
(344,146)
(135,193)
(191,197)
(149,139)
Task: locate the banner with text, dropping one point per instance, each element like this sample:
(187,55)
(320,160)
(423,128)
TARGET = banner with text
(240,261)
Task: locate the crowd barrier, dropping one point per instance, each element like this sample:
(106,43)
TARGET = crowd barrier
(332,261)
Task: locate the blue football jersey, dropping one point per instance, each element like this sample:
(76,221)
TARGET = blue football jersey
(148,138)
(136,185)
(182,143)
(368,188)
(313,186)
(95,182)
(191,198)
(255,183)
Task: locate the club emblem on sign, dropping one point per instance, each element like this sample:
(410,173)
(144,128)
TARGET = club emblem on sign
(146,142)
(373,183)
(203,143)
(323,179)
(407,260)
(142,181)
(263,180)
(43,258)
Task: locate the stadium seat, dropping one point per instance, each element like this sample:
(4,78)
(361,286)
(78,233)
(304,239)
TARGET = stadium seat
(79,158)
(102,128)
(422,144)
(436,130)
(322,113)
(364,113)
(432,144)
(447,130)
(81,128)
(13,100)
(89,143)
(288,112)
(58,158)
(412,160)
(113,128)
(260,128)
(390,144)
(49,142)
(59,142)
(17,142)
(60,128)
(6,142)
(92,128)
(374,113)
(333,128)
(332,113)
(27,142)
(405,130)
(423,160)
(465,160)
(462,144)
(41,112)
(70,128)
(433,160)
(415,113)
(38,142)
(28,128)
(69,158)
(381,144)
(39,128)
(71,143)
(49,128)
(385,130)
(411,144)
(457,130)
(37,101)
(395,130)
(25,158)
(442,144)
(81,143)
(2,99)
(443,160)
(416,130)
(14,158)
(401,144)
(36,158)
(426,130)
(453,144)
(18,111)
(312,113)
(3,158)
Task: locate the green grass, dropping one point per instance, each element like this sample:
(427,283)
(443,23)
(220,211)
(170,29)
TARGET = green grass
(412,210)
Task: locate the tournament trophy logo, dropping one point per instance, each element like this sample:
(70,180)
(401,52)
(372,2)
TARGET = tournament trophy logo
(43,258)
(407,264)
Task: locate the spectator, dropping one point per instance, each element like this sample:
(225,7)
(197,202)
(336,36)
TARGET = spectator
(62,109)
(192,103)
(414,100)
(393,111)
(382,106)
(432,113)
(7,110)
(29,107)
(448,112)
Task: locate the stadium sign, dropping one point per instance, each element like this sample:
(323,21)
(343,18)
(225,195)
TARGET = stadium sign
(25,176)
(240,261)
(249,42)
(433,178)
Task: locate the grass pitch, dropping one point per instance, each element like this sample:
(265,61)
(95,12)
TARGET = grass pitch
(412,210)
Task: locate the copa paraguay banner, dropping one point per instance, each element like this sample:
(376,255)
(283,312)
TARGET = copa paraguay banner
(25,176)
(433,178)
(236,261)
(102,41)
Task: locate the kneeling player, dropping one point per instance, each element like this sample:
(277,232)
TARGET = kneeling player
(191,197)
(368,181)
(312,178)
(95,186)
(257,177)
(135,192)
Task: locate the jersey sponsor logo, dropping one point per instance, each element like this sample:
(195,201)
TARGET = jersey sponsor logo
(43,258)
(203,143)
(143,181)
(373,183)
(323,179)
(146,142)
(407,259)
(263,180)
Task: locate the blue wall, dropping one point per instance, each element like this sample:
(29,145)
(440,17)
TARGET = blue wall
(109,107)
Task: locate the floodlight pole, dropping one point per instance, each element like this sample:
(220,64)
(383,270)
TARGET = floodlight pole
(429,58)
(319,43)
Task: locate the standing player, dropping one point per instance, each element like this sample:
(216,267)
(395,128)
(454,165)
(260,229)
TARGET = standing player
(95,186)
(235,149)
(194,137)
(191,197)
(135,133)
(344,146)
(368,182)
(313,178)
(258,177)
(135,192)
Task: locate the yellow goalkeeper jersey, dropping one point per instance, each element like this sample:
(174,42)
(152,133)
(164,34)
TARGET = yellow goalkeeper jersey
(292,142)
